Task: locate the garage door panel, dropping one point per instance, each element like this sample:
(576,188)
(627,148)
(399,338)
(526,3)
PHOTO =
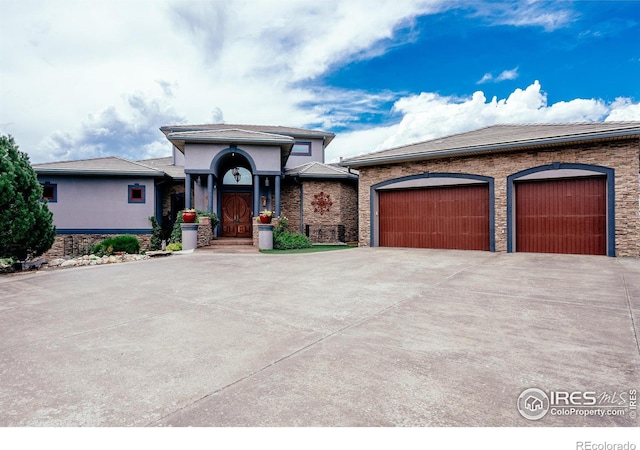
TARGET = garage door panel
(561,216)
(454,217)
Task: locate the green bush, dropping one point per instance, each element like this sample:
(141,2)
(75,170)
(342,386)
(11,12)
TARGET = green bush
(290,241)
(176,232)
(127,244)
(285,240)
(26,223)
(174,247)
(156,234)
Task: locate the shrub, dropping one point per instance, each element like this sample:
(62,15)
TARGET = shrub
(174,247)
(289,241)
(156,234)
(127,244)
(176,232)
(285,240)
(26,223)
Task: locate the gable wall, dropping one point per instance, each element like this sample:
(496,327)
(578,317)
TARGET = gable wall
(622,156)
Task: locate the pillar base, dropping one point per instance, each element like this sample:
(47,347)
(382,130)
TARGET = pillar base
(265,237)
(189,236)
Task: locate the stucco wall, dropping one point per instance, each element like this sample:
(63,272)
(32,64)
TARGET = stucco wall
(317,154)
(200,156)
(622,156)
(96,203)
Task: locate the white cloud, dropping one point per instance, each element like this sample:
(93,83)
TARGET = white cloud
(548,15)
(504,75)
(244,61)
(508,75)
(429,116)
(623,109)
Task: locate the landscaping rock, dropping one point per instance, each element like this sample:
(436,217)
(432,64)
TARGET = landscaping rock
(69,263)
(56,262)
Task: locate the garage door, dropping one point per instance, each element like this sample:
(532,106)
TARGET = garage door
(455,217)
(562,216)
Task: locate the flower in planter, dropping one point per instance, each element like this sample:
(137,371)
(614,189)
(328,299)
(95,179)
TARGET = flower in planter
(265,216)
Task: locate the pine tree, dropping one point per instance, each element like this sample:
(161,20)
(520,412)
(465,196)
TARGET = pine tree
(26,223)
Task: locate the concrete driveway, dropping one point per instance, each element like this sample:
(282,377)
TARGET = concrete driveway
(359,337)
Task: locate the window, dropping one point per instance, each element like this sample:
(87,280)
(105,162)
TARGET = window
(238,176)
(136,193)
(301,148)
(50,192)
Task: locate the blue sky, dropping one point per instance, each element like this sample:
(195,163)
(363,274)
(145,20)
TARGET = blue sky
(90,79)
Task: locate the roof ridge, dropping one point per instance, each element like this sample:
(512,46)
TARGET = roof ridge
(137,163)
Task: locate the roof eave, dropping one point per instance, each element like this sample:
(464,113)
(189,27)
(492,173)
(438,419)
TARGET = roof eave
(98,173)
(494,148)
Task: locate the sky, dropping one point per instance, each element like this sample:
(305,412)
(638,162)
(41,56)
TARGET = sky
(85,79)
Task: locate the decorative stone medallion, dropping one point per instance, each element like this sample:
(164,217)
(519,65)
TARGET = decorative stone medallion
(321,203)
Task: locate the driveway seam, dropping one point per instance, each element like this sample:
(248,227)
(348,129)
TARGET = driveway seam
(633,323)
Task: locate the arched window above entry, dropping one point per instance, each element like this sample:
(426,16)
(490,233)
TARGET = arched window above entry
(237,176)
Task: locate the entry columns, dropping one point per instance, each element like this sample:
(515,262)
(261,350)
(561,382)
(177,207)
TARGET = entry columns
(256,195)
(277,194)
(210,192)
(187,191)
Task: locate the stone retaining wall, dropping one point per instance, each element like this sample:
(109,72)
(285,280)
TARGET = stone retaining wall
(72,245)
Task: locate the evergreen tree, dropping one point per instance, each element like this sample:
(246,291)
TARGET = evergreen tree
(26,223)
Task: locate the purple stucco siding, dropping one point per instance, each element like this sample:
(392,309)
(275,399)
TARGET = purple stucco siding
(100,203)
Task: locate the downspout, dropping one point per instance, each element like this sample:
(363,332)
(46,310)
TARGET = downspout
(299,183)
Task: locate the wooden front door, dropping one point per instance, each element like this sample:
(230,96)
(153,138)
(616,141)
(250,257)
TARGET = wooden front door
(236,214)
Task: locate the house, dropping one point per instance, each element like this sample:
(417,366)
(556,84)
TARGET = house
(238,170)
(553,188)
(232,170)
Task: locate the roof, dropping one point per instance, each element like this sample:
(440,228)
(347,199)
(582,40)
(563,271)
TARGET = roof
(319,170)
(166,165)
(111,165)
(500,138)
(232,135)
(271,129)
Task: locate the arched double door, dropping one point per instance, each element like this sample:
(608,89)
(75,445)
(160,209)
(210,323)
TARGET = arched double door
(236,214)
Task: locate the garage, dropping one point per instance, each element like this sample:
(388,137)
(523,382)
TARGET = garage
(562,216)
(451,217)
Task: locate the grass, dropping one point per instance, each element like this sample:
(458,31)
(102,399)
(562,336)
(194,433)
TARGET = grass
(314,249)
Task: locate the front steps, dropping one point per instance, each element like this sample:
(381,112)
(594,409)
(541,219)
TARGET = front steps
(230,245)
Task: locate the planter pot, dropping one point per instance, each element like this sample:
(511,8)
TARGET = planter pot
(188,217)
(265,219)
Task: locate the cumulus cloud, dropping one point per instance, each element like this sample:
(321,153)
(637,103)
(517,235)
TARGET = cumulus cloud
(129,130)
(429,116)
(241,61)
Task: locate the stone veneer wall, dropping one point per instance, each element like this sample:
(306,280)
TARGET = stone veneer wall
(623,156)
(67,245)
(343,211)
(205,232)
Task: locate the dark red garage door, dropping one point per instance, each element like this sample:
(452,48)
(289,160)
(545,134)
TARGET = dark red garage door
(562,216)
(455,217)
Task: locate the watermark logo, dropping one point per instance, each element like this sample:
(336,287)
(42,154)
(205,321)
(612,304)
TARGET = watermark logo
(533,404)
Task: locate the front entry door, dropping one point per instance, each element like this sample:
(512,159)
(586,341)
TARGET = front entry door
(236,214)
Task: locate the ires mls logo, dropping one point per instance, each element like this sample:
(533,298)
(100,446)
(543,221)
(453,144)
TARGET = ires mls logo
(534,403)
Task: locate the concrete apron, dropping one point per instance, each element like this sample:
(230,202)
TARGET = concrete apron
(361,337)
